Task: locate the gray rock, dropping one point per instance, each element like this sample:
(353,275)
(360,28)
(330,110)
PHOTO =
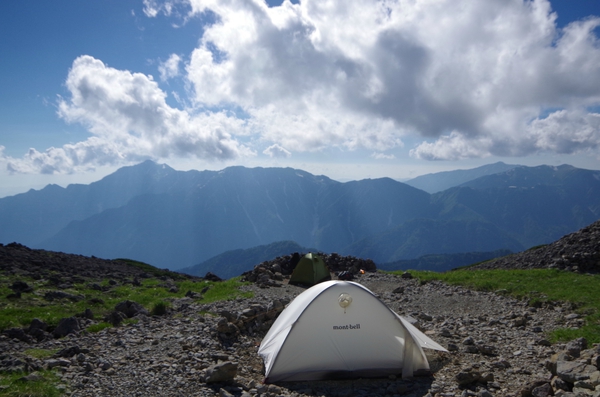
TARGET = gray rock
(18,333)
(571,371)
(131,309)
(104,364)
(66,326)
(425,317)
(544,390)
(559,384)
(57,362)
(464,378)
(68,352)
(445,332)
(575,347)
(488,350)
(88,314)
(21,287)
(115,318)
(222,372)
(52,295)
(37,324)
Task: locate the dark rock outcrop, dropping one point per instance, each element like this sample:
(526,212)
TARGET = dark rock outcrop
(579,252)
(271,273)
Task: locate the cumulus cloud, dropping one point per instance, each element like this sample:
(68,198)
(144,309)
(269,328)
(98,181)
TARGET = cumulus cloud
(561,132)
(130,121)
(276,151)
(471,78)
(567,132)
(464,78)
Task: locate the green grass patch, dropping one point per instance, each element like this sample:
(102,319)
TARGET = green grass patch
(159,308)
(98,327)
(537,286)
(152,293)
(130,321)
(40,353)
(224,290)
(12,386)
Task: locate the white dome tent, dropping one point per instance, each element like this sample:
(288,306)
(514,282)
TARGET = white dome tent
(339,329)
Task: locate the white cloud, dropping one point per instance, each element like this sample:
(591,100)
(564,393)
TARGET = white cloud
(455,146)
(561,132)
(471,76)
(153,7)
(467,79)
(130,121)
(567,132)
(383,156)
(170,68)
(276,151)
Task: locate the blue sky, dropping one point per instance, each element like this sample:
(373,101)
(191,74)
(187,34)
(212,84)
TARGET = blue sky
(347,88)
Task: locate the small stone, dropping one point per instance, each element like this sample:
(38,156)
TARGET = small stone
(464,378)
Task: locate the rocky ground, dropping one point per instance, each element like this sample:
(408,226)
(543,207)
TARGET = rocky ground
(21,260)
(579,252)
(497,344)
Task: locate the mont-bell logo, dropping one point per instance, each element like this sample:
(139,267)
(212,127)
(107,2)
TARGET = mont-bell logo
(349,326)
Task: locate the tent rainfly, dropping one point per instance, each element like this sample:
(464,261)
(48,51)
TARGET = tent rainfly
(340,329)
(310,270)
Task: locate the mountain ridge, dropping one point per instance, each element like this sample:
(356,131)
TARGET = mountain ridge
(440,181)
(175,219)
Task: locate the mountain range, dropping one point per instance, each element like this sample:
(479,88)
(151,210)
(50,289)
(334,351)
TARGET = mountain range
(440,181)
(174,219)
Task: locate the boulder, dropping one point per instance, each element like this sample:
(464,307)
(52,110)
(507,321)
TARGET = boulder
(115,317)
(221,372)
(572,371)
(37,324)
(68,352)
(52,295)
(18,333)
(544,390)
(38,329)
(212,277)
(21,287)
(66,326)
(575,347)
(131,309)
(464,378)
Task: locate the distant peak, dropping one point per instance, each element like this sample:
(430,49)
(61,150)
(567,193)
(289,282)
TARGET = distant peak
(150,165)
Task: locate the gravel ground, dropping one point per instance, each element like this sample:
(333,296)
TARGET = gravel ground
(498,338)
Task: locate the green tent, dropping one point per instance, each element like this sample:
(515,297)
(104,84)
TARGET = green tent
(309,271)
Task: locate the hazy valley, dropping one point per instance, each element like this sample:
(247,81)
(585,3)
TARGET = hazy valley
(173,219)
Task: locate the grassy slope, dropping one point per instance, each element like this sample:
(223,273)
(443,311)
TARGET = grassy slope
(152,293)
(538,286)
